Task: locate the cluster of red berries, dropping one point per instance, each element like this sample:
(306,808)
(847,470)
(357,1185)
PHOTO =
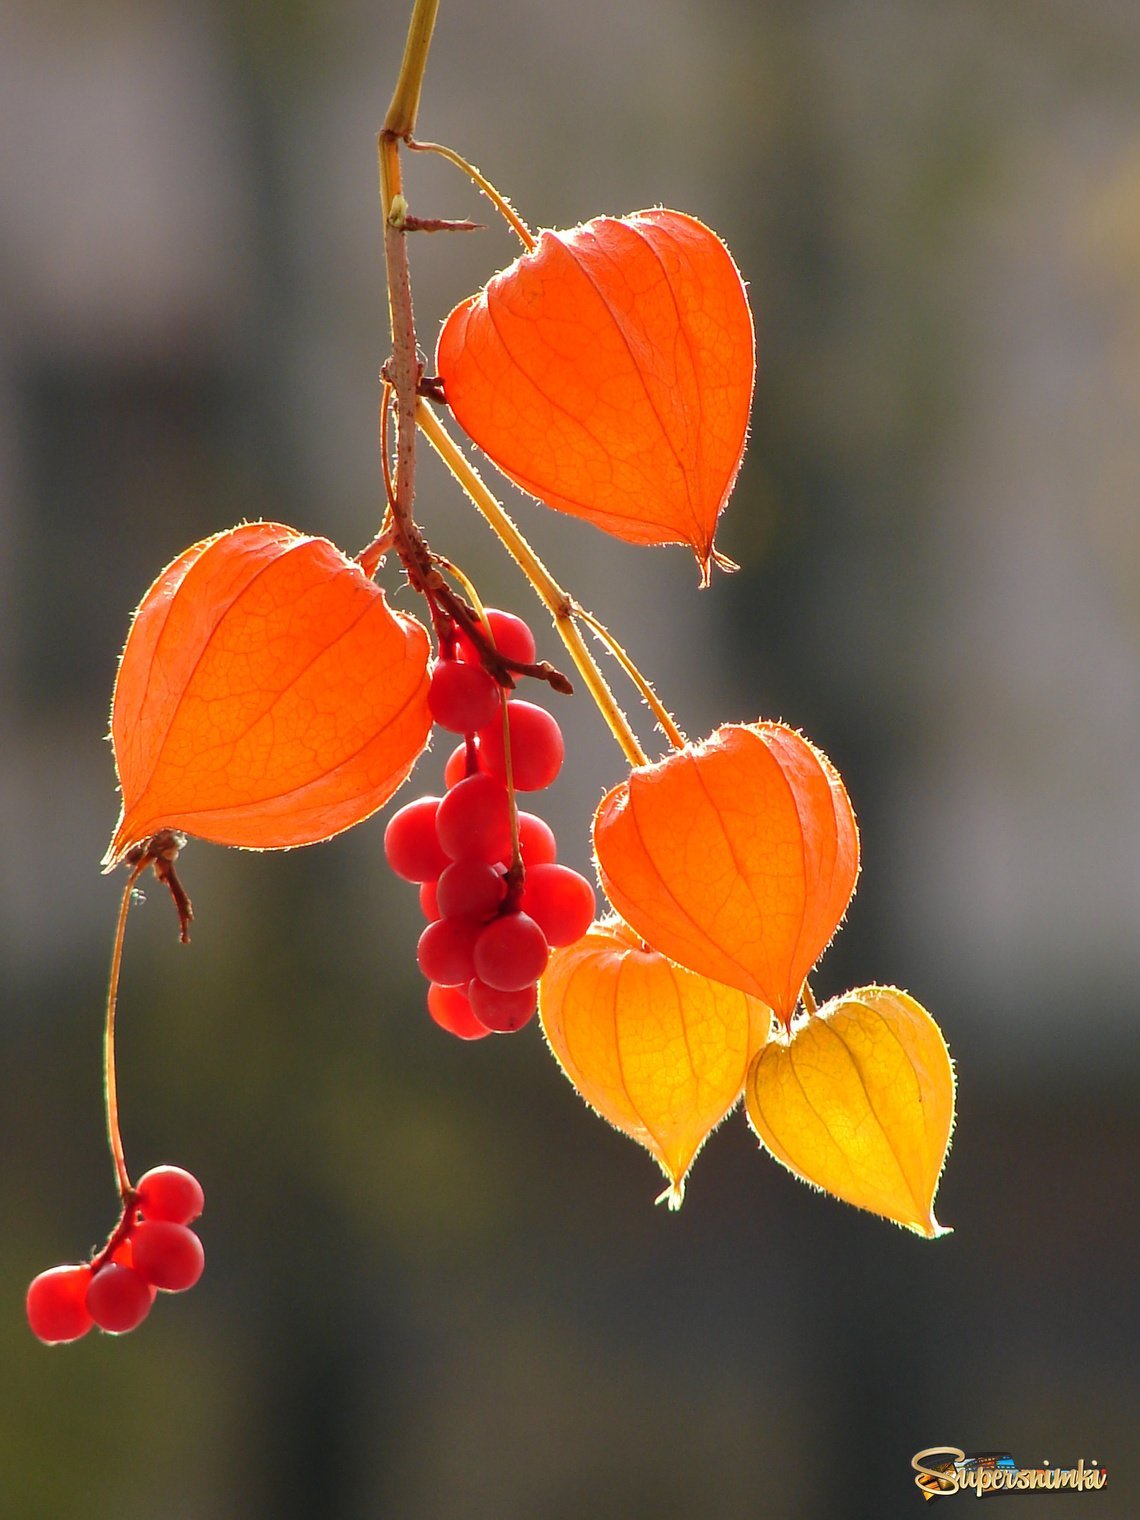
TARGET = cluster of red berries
(151,1249)
(490,923)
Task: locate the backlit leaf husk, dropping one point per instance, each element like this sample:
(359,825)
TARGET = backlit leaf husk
(657,1050)
(736,857)
(609,372)
(859,1101)
(267,695)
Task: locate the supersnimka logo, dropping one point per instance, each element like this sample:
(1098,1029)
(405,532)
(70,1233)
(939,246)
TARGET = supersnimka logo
(945,1470)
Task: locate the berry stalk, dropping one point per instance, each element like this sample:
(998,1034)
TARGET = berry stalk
(516,869)
(476,602)
(159,852)
(110,1083)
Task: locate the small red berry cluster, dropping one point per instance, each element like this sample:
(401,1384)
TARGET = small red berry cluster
(152,1248)
(491,922)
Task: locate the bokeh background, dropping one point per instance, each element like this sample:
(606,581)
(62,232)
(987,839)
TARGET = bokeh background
(437,1285)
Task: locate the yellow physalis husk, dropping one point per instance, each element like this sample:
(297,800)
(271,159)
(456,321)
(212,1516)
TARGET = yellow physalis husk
(657,1050)
(859,1101)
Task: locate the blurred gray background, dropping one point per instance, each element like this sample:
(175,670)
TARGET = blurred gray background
(437,1285)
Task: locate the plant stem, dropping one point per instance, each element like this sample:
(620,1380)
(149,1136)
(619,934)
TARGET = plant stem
(404,365)
(665,720)
(370,556)
(385,457)
(403,375)
(557,602)
(403,370)
(401,118)
(110,1085)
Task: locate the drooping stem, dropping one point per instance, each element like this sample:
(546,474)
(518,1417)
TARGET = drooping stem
(500,202)
(110,1083)
(160,853)
(557,602)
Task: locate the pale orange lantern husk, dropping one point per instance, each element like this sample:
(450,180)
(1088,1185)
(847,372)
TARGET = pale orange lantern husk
(657,1050)
(609,372)
(859,1101)
(736,857)
(267,695)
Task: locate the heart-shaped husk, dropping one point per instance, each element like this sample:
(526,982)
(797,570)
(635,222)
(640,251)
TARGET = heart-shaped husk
(736,857)
(859,1100)
(267,695)
(609,372)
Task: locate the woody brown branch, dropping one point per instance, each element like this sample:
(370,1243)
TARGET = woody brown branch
(404,373)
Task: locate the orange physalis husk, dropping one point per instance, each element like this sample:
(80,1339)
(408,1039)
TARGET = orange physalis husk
(609,372)
(859,1101)
(657,1050)
(736,857)
(267,696)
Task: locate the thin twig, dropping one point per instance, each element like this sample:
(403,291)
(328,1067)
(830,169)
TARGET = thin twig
(665,720)
(500,202)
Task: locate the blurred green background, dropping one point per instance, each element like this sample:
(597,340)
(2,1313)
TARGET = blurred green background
(437,1286)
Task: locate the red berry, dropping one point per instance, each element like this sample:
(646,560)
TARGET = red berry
(536,747)
(119,1298)
(446,951)
(536,841)
(462,697)
(561,902)
(457,767)
(168,1255)
(410,841)
(474,820)
(512,638)
(429,907)
(510,953)
(470,889)
(502,1012)
(123,1256)
(168,1192)
(57,1304)
(450,1009)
